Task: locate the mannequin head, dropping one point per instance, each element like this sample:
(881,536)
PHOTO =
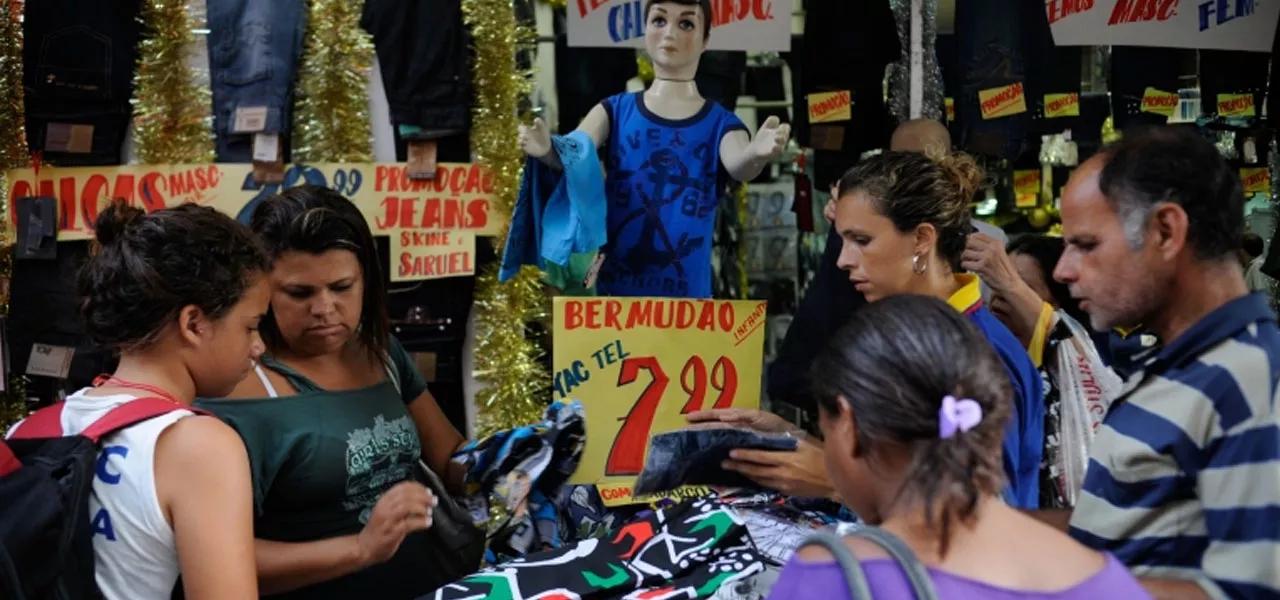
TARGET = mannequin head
(675,34)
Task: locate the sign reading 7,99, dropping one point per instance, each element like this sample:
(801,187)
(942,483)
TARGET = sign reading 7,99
(640,364)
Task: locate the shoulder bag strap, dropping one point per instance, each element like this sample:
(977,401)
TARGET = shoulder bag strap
(853,575)
(921,583)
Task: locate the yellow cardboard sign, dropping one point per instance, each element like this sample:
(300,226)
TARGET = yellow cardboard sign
(1236,105)
(1026,188)
(1159,102)
(640,364)
(1061,105)
(418,255)
(459,198)
(950,104)
(1256,180)
(829,107)
(1003,101)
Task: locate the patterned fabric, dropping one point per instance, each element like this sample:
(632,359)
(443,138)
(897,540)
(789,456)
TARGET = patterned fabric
(522,471)
(688,551)
(1184,476)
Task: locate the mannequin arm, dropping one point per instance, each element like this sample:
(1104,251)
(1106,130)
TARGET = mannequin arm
(744,158)
(535,140)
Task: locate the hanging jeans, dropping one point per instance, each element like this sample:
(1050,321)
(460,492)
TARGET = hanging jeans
(254,47)
(990,55)
(78,61)
(422,51)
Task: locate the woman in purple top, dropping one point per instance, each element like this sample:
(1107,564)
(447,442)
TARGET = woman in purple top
(913,406)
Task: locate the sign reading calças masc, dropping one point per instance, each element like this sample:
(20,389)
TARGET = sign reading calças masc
(432,224)
(640,364)
(756,25)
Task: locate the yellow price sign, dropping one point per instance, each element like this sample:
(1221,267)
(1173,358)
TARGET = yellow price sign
(1026,188)
(829,107)
(1236,105)
(950,104)
(640,364)
(1256,180)
(1061,105)
(1003,101)
(1159,102)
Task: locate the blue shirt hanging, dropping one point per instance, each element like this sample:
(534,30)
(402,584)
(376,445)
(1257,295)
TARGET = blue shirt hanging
(558,213)
(663,187)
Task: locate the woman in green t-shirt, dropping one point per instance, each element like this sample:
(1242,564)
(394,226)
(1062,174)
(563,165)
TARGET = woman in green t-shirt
(337,420)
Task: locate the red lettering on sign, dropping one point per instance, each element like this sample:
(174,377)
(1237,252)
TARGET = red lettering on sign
(1135,11)
(626,457)
(1003,98)
(702,315)
(1060,9)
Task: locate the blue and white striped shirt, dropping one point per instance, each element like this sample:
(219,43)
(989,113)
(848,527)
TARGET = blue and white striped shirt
(1184,475)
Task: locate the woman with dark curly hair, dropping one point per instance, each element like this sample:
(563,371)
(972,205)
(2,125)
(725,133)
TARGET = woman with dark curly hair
(179,294)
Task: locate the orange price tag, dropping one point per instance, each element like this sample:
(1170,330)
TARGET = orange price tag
(1003,101)
(640,364)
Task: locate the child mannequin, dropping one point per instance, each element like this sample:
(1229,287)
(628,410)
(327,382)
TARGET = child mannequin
(665,149)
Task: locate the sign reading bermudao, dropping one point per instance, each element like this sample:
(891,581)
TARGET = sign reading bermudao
(457,202)
(640,364)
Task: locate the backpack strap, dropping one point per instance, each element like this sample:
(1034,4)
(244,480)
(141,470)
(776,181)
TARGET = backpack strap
(44,423)
(854,578)
(131,413)
(921,583)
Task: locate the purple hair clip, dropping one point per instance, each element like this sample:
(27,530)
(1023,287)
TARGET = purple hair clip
(957,415)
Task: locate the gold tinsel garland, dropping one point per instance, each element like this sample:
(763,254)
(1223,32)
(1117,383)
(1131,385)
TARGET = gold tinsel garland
(331,114)
(13,154)
(171,112)
(515,384)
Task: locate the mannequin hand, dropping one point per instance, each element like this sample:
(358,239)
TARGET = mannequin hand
(799,473)
(986,256)
(758,420)
(535,139)
(771,139)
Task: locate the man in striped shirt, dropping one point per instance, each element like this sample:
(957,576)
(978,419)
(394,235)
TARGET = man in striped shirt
(1183,483)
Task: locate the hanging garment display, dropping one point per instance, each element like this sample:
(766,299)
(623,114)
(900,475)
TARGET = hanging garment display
(1141,80)
(846,47)
(585,76)
(253,55)
(992,67)
(78,63)
(422,50)
(688,551)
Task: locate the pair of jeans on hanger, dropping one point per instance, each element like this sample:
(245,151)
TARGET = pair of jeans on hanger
(78,61)
(254,48)
(989,55)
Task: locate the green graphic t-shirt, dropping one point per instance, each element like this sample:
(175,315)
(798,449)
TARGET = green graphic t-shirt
(321,459)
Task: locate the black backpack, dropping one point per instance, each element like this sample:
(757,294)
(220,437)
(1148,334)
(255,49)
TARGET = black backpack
(46,545)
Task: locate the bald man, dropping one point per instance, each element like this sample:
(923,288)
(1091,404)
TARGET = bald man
(830,299)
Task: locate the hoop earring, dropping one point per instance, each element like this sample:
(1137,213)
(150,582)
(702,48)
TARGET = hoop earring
(918,266)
